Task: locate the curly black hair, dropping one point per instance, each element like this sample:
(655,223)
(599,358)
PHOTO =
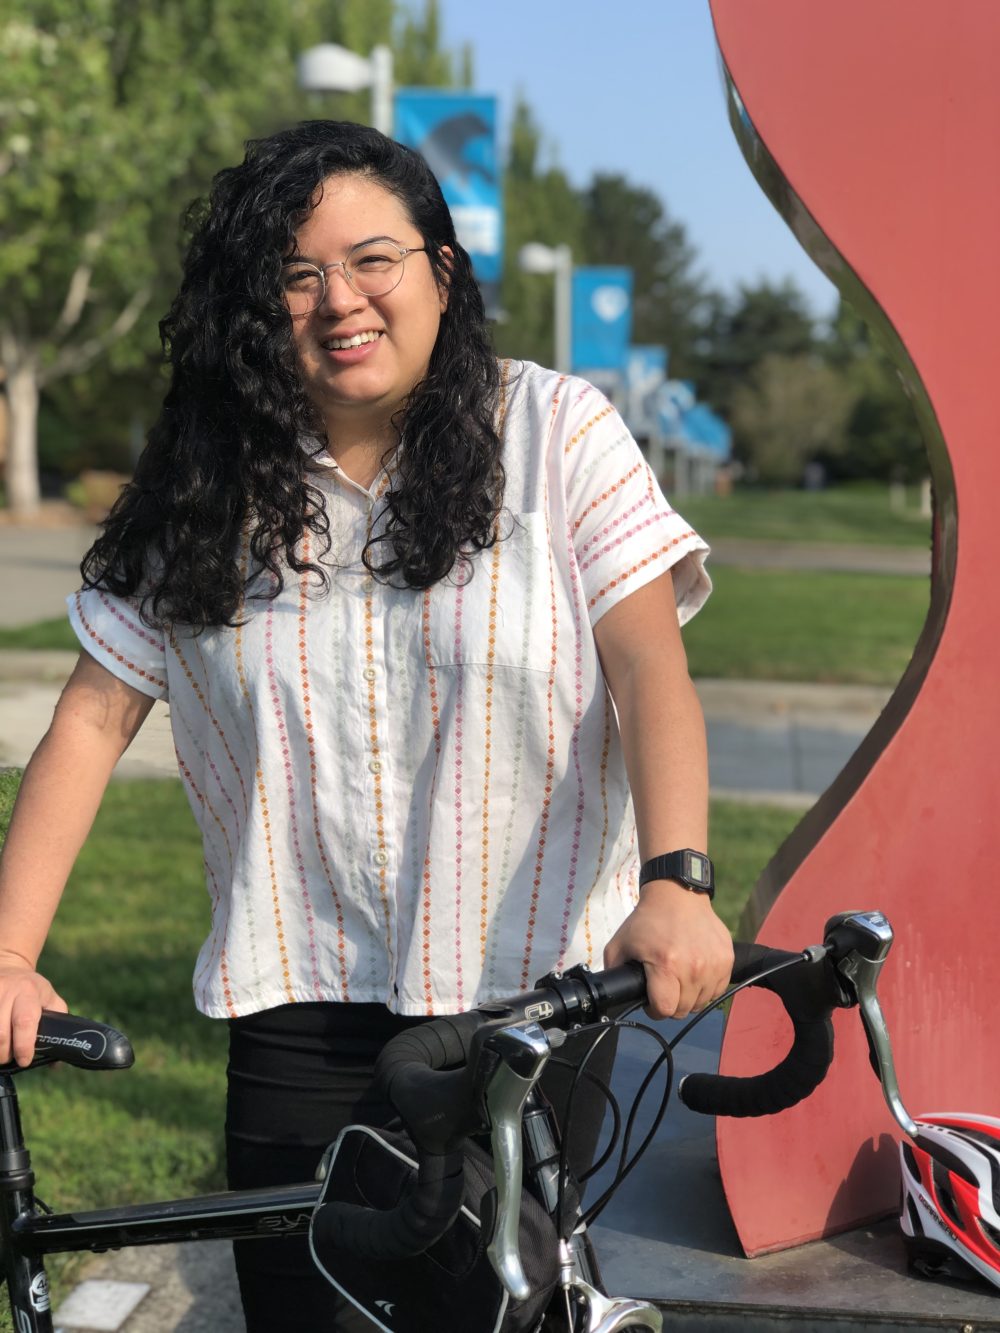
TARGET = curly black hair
(225,457)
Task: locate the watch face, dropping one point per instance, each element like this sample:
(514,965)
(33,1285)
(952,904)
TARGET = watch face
(697,868)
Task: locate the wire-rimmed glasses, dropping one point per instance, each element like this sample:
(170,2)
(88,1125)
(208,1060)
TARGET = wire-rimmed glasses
(372,268)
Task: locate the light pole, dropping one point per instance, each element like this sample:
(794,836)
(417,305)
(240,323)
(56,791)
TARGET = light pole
(538,258)
(334,69)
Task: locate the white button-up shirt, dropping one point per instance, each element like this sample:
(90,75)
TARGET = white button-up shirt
(418,797)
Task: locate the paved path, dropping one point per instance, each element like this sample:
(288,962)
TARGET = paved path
(38,568)
(834,556)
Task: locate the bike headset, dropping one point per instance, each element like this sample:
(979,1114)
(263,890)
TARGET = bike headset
(951,1196)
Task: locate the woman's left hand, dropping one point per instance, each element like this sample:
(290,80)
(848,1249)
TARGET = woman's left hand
(686,950)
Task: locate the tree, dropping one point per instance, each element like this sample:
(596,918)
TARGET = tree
(114,114)
(790,410)
(420,59)
(883,437)
(110,111)
(539,205)
(764,320)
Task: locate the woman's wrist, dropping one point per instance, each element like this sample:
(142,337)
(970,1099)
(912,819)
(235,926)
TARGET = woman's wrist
(671,890)
(12,958)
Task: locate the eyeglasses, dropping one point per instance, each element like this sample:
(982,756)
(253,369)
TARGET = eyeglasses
(372,269)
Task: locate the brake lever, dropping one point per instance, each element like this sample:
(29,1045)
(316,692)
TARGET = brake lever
(859,943)
(520,1055)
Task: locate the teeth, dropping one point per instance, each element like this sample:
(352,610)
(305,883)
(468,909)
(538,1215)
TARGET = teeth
(339,344)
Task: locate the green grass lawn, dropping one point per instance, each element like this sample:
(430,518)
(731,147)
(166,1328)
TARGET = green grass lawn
(44,634)
(801,625)
(859,514)
(122,950)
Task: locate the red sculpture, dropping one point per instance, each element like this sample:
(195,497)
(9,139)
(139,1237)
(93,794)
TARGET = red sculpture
(874,125)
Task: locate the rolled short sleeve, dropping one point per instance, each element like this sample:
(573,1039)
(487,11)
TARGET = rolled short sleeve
(624,531)
(110,630)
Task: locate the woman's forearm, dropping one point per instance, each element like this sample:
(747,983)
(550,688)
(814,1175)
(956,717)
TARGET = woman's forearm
(663,739)
(60,792)
(685,948)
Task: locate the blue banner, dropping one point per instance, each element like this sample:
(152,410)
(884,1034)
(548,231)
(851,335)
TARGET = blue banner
(602,318)
(456,133)
(683,420)
(645,374)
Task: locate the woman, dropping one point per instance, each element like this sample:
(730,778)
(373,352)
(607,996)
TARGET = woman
(383,581)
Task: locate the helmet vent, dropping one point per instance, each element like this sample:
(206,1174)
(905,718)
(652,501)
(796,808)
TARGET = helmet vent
(942,1187)
(914,1216)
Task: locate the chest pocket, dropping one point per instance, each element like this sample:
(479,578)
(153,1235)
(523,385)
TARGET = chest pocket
(496,610)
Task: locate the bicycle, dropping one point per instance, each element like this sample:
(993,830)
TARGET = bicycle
(475,1073)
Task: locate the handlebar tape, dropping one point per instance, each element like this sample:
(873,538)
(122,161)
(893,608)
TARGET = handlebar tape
(413,1070)
(809,993)
(423,1215)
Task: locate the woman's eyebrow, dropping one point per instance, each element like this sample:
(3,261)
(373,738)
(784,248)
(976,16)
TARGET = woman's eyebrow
(368,240)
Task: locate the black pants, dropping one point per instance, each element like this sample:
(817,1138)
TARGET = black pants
(297,1075)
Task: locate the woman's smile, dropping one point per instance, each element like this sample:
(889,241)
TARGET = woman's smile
(348,349)
(341,341)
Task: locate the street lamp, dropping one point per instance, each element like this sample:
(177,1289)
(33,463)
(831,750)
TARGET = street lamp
(538,258)
(334,69)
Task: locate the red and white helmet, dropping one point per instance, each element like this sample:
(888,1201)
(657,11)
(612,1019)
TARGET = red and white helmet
(951,1196)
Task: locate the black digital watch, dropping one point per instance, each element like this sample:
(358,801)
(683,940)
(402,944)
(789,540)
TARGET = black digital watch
(692,869)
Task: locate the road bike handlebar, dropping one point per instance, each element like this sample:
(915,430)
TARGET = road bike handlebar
(810,994)
(436,1075)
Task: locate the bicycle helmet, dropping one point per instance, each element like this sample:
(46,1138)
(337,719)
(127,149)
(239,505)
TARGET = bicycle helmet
(951,1196)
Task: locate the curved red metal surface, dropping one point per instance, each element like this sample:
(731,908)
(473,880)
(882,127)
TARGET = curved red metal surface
(883,117)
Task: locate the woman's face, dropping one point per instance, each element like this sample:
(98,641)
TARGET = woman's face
(358,388)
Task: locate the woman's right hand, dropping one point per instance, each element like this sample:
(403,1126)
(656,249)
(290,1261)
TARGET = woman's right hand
(24,993)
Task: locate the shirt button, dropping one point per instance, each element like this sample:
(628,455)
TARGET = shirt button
(381,858)
(369,673)
(375,765)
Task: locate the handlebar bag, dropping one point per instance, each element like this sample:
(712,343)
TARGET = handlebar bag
(451,1285)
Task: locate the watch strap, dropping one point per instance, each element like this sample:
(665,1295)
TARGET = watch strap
(692,869)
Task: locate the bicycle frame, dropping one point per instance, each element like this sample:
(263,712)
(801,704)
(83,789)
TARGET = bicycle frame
(27,1234)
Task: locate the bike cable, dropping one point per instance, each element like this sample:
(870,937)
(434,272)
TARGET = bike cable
(601,1030)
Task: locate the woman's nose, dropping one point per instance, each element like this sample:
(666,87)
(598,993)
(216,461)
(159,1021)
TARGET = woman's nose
(340,296)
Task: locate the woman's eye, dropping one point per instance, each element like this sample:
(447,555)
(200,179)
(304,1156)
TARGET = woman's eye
(297,276)
(375,261)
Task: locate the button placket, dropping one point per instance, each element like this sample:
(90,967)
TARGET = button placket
(375,694)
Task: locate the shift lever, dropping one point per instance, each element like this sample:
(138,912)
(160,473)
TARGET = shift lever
(521,1053)
(859,943)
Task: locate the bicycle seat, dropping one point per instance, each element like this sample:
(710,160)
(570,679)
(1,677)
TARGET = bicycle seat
(82,1042)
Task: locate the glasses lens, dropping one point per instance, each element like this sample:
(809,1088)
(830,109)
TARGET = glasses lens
(303,287)
(375,267)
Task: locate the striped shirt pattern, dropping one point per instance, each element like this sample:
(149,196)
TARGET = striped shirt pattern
(418,797)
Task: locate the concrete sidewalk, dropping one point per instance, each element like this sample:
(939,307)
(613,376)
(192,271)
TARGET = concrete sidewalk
(39,567)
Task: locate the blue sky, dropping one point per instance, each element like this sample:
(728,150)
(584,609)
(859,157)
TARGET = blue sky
(633,86)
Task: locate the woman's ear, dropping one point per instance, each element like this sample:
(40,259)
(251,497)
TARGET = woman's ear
(444,280)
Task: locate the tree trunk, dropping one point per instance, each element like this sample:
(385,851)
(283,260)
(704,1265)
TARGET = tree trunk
(23,492)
